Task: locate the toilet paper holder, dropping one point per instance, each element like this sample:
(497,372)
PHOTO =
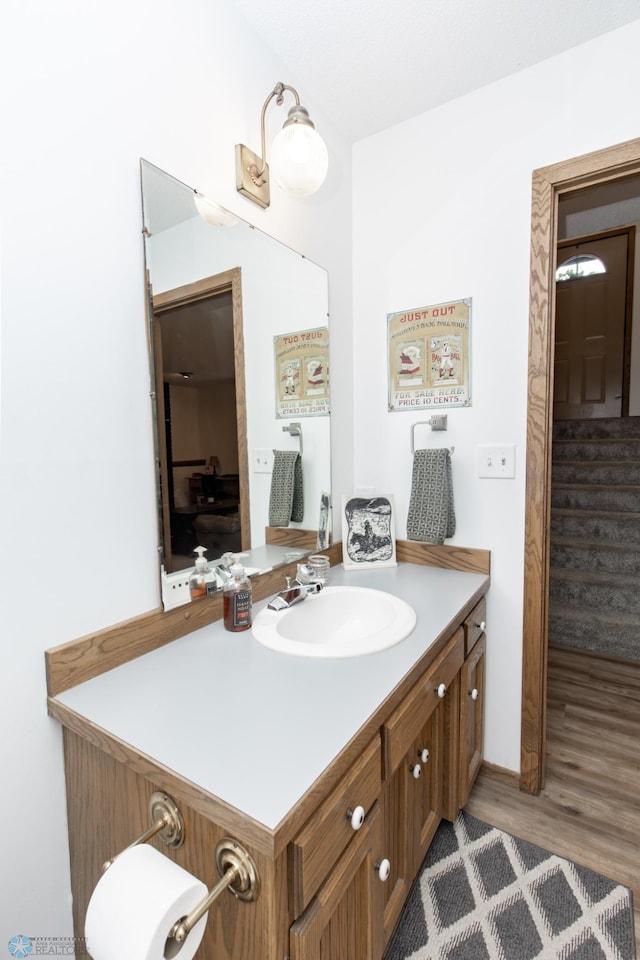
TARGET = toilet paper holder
(238,872)
(166,823)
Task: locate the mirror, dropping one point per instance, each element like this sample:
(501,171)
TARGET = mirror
(238,341)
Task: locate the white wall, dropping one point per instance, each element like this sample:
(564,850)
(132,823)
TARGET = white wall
(441,212)
(87,90)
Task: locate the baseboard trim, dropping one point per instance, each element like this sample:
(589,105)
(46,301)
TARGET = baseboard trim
(492,771)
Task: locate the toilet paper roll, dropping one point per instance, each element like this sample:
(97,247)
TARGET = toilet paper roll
(136,903)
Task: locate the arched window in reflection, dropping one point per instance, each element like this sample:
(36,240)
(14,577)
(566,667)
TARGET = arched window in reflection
(581,265)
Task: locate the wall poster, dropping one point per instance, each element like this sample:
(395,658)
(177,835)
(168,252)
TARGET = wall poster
(302,373)
(429,357)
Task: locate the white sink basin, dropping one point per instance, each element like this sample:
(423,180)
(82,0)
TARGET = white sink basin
(338,622)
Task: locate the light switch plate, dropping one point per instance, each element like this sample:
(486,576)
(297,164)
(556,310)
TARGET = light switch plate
(497,461)
(262,460)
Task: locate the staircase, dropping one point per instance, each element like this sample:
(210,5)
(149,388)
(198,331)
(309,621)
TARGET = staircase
(594,576)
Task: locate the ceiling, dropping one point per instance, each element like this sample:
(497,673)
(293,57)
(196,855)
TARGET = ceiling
(370,64)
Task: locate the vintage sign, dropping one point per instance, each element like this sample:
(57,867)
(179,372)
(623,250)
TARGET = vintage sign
(429,357)
(302,373)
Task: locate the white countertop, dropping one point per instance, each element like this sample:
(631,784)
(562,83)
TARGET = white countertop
(253,727)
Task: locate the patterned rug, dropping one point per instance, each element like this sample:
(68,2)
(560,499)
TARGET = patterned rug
(485,895)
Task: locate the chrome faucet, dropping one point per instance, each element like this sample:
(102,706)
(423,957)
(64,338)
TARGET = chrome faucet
(293,593)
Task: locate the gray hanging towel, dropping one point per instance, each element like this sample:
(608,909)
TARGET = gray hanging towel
(431,515)
(286,501)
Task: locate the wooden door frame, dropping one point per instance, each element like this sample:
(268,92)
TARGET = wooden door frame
(229,280)
(548,184)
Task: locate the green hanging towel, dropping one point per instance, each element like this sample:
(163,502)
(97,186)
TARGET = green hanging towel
(431,517)
(286,501)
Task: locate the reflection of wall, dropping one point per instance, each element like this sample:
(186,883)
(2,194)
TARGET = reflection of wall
(282,292)
(218,424)
(203,423)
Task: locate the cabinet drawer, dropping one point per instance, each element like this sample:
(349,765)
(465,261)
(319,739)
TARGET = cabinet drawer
(404,725)
(474,626)
(317,847)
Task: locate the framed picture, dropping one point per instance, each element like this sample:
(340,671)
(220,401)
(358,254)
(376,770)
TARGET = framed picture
(429,357)
(302,373)
(368,534)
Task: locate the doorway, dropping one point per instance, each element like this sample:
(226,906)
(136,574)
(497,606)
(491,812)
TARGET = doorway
(594,294)
(201,411)
(548,185)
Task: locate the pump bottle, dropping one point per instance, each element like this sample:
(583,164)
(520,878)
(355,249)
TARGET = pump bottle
(203,581)
(237,602)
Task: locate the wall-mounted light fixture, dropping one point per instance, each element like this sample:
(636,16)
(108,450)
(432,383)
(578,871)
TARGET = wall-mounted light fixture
(211,212)
(299,156)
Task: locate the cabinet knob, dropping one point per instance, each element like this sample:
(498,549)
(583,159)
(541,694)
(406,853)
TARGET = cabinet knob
(442,690)
(482,625)
(383,869)
(415,770)
(423,754)
(474,694)
(356,816)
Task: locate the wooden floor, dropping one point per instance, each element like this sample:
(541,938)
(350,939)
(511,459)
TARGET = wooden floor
(589,810)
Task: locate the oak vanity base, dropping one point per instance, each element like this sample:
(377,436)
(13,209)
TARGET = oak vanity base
(337,888)
(384,747)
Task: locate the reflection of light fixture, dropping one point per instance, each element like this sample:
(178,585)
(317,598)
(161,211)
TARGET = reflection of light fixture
(299,155)
(186,374)
(212,213)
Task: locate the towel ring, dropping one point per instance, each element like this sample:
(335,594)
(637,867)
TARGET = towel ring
(427,423)
(295,429)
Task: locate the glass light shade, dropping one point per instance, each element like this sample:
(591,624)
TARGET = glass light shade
(212,213)
(298,159)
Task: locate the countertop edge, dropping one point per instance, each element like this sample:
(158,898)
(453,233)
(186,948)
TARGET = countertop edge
(162,777)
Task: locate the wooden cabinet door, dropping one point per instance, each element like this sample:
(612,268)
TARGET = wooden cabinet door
(471,719)
(395,809)
(424,768)
(414,750)
(411,813)
(344,919)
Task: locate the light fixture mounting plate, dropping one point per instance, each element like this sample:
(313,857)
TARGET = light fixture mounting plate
(247,166)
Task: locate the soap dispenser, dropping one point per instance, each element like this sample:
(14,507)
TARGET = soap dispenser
(203,581)
(237,597)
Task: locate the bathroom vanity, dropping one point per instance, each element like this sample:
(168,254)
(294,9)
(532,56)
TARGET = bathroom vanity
(333,774)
